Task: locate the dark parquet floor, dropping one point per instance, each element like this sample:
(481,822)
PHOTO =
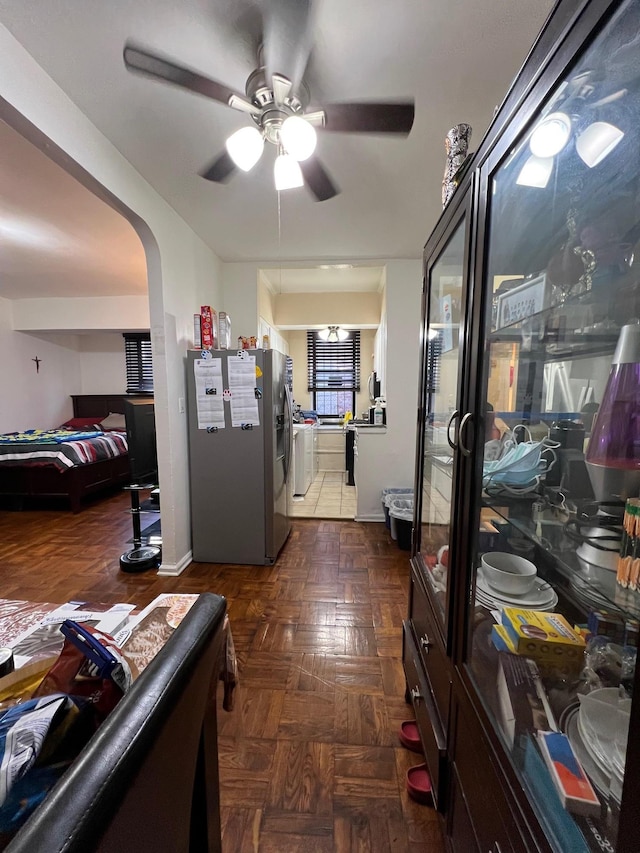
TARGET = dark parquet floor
(309,757)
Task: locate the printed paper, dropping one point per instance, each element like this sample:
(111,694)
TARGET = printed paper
(209,403)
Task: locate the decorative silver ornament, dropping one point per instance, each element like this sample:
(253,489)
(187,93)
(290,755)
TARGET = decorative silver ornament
(457,146)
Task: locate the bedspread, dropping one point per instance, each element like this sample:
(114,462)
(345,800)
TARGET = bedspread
(63,453)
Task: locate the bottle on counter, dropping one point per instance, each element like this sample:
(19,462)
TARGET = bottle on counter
(378,413)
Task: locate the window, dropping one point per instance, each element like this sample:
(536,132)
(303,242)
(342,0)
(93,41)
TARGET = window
(333,373)
(139,361)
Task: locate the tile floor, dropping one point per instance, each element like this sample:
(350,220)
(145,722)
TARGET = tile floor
(328,497)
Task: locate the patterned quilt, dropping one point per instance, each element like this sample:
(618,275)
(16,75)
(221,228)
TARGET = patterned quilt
(60,448)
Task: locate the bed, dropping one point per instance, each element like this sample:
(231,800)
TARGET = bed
(70,471)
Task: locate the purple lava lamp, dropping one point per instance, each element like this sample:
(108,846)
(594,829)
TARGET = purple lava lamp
(613,453)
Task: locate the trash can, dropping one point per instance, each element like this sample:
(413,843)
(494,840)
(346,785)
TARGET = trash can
(388,495)
(401,517)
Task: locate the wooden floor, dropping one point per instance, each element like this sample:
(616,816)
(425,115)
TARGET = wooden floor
(309,757)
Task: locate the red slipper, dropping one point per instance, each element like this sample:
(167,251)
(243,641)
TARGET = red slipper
(419,784)
(409,736)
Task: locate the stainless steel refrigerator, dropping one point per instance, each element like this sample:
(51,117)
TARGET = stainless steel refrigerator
(239,475)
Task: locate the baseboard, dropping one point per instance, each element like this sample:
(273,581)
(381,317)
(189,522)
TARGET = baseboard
(371,516)
(174,569)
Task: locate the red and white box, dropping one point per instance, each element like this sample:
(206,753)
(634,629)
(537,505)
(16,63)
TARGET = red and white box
(208,327)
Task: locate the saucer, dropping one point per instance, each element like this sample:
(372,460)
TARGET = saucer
(541,597)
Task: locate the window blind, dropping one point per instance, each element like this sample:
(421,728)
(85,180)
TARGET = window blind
(434,353)
(333,373)
(139,361)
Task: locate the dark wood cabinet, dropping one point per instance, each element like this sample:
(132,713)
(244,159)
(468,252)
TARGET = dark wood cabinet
(478,776)
(528,445)
(432,732)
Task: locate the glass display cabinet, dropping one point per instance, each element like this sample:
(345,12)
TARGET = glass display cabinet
(520,643)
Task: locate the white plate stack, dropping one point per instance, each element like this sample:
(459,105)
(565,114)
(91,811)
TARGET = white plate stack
(541,596)
(603,727)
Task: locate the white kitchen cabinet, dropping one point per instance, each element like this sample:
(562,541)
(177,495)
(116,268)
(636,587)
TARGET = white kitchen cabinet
(331,448)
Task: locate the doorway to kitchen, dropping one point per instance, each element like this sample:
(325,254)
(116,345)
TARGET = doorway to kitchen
(327,497)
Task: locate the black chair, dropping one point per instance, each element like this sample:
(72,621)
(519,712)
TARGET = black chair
(148,779)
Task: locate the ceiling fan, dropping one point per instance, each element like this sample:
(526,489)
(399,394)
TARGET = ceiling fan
(277,101)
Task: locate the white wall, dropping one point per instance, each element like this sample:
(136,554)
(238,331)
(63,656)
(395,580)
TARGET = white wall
(380,347)
(395,459)
(102,364)
(367,345)
(349,309)
(240,288)
(297,344)
(70,364)
(121,313)
(183,272)
(31,399)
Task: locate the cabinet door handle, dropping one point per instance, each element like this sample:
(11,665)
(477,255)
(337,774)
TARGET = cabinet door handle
(461,445)
(426,643)
(452,444)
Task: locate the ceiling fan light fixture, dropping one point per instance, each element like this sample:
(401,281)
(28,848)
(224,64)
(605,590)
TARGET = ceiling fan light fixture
(298,137)
(333,334)
(245,147)
(287,173)
(536,172)
(597,141)
(551,135)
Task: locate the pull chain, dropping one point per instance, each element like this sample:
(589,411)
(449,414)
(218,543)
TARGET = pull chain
(279,245)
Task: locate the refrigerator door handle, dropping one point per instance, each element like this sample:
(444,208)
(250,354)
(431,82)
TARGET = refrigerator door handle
(288,426)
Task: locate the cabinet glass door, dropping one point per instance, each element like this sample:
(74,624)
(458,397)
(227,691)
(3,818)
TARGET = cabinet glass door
(440,380)
(554,619)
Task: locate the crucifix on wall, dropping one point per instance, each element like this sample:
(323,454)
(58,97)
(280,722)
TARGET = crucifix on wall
(37,361)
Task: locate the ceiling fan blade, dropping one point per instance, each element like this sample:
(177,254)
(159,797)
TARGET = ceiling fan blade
(144,62)
(317,179)
(220,170)
(288,37)
(369,118)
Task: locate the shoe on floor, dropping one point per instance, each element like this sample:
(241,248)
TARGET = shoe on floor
(409,736)
(419,784)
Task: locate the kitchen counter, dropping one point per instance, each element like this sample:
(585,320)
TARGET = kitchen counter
(370,427)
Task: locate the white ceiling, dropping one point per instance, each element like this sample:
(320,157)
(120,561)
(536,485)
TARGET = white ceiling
(325,278)
(56,237)
(455,58)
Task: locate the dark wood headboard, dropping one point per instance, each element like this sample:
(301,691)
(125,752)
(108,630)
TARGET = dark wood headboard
(100,405)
